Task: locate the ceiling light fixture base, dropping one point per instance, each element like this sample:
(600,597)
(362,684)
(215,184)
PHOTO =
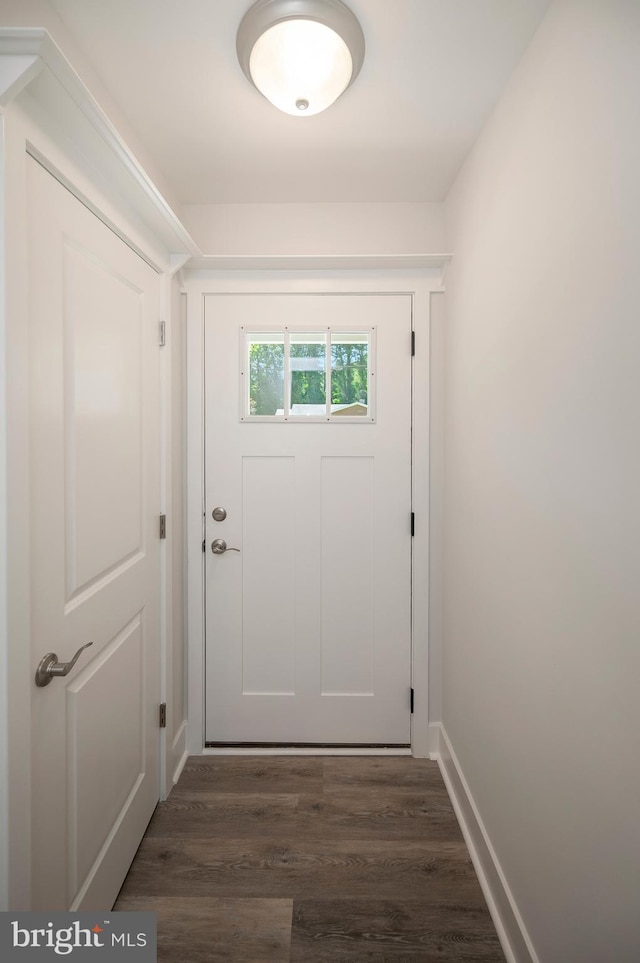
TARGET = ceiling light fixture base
(272,53)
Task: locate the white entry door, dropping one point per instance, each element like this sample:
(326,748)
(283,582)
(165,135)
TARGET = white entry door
(94,469)
(308,455)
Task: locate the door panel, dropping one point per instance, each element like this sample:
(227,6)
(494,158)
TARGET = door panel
(348,589)
(268,512)
(308,626)
(103,410)
(94,450)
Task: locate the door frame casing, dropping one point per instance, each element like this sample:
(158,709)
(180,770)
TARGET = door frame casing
(24,137)
(419,286)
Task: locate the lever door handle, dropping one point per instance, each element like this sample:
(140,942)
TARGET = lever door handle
(219,547)
(49,667)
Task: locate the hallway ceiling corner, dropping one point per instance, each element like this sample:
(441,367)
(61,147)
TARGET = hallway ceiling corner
(432,74)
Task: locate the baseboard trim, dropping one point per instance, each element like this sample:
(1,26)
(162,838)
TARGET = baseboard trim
(433,739)
(512,933)
(180,750)
(180,736)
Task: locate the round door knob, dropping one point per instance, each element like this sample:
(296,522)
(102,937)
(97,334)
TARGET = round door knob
(219,514)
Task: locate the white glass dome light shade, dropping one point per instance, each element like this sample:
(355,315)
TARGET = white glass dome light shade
(301,66)
(300,54)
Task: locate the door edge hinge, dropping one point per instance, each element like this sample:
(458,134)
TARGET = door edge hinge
(162,715)
(411,700)
(413,524)
(163,526)
(162,338)
(413,343)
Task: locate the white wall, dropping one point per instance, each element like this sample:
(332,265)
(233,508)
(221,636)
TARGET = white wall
(542,544)
(316,228)
(437,328)
(40,13)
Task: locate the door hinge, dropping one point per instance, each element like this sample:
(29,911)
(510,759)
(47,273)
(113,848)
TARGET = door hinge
(413,343)
(163,334)
(413,523)
(411,700)
(163,526)
(162,715)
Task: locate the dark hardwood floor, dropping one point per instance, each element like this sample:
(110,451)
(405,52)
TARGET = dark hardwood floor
(304,859)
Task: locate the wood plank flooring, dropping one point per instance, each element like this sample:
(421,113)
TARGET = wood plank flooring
(305,859)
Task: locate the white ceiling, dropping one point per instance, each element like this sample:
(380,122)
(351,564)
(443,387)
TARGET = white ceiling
(433,71)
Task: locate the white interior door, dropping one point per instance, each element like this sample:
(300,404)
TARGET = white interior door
(309,624)
(94,453)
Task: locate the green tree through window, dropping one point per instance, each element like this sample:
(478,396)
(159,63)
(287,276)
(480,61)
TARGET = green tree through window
(349,380)
(308,378)
(266,376)
(307,371)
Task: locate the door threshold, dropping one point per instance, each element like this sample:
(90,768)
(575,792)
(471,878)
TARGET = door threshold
(303,749)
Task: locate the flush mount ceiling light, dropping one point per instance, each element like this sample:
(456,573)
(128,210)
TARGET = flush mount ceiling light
(301,54)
